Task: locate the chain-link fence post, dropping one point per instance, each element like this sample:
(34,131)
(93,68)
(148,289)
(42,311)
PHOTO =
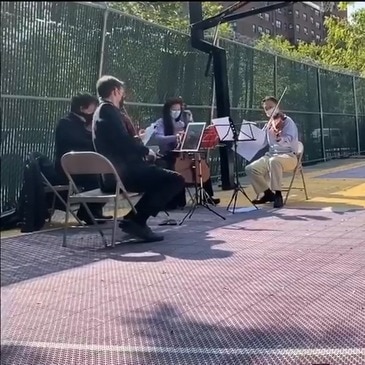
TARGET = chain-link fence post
(103,35)
(356,116)
(321,113)
(276,75)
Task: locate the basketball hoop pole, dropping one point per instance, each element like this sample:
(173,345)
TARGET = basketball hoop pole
(198,25)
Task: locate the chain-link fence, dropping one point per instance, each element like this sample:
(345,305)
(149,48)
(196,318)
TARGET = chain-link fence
(51,50)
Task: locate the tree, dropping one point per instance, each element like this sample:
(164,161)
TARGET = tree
(174,15)
(344,47)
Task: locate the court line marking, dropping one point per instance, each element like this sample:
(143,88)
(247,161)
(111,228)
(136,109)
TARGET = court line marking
(187,350)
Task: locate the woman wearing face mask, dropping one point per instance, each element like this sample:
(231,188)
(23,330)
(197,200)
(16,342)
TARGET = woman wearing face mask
(168,133)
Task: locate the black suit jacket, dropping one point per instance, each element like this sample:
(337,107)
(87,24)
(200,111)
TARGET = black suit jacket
(112,139)
(71,135)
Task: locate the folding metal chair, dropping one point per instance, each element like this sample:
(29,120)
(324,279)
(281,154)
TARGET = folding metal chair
(298,168)
(92,163)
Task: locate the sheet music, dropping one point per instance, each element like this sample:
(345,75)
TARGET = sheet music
(248,149)
(223,128)
(148,134)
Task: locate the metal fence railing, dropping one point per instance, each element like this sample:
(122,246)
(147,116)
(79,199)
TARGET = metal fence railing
(51,50)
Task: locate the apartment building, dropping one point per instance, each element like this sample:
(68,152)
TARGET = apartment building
(301,21)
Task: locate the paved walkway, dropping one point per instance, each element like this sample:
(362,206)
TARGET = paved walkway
(265,287)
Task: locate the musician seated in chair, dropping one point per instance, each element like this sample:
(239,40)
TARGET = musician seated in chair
(168,133)
(115,141)
(282,139)
(73,133)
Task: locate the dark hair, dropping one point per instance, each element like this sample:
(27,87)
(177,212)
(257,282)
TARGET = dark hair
(107,84)
(82,100)
(269,98)
(168,124)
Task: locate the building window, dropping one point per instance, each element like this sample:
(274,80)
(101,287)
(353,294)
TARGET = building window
(298,40)
(316,12)
(305,16)
(254,28)
(278,24)
(318,26)
(297,28)
(312,20)
(305,30)
(312,33)
(253,8)
(267,17)
(261,16)
(318,37)
(297,13)
(267,31)
(278,10)
(290,26)
(259,29)
(290,12)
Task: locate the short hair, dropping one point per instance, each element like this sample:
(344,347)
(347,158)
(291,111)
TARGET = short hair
(269,98)
(82,100)
(107,84)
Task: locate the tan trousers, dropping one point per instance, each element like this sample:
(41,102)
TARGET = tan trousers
(271,168)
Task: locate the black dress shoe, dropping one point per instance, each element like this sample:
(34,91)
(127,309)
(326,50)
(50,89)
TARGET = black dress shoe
(265,199)
(211,200)
(87,219)
(278,201)
(103,217)
(143,232)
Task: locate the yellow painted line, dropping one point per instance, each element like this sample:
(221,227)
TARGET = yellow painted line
(356,191)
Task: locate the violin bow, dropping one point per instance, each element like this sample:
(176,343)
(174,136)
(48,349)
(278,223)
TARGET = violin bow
(268,125)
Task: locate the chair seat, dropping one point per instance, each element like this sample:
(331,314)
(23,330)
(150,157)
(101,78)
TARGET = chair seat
(97,195)
(47,189)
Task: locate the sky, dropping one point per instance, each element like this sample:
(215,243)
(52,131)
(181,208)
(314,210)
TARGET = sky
(355,6)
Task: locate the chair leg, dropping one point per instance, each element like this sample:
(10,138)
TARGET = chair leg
(66,223)
(95,223)
(115,222)
(52,208)
(304,185)
(290,186)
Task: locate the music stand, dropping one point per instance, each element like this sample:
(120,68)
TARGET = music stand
(201,197)
(228,133)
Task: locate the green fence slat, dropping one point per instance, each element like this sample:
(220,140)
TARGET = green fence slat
(52,50)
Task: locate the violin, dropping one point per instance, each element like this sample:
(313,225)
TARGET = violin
(277,123)
(276,120)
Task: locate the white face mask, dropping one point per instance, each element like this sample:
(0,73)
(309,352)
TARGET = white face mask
(175,114)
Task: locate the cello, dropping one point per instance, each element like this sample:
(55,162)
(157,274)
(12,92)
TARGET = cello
(186,163)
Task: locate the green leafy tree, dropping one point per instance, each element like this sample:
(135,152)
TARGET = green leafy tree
(344,47)
(174,15)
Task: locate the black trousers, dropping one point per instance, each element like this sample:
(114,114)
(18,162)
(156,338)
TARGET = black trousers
(159,186)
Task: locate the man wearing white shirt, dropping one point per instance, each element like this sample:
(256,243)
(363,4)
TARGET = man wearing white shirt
(283,146)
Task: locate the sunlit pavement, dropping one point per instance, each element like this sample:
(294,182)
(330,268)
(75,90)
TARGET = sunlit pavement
(266,287)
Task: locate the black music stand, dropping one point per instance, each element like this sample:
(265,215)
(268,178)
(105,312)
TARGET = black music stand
(201,197)
(246,137)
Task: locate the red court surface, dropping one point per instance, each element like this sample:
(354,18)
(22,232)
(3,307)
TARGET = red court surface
(265,287)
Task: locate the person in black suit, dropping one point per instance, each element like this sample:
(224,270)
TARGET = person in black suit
(73,133)
(113,140)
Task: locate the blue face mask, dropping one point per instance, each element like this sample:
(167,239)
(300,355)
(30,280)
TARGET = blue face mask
(175,114)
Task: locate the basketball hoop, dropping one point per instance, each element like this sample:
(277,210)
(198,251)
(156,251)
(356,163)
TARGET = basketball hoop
(327,6)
